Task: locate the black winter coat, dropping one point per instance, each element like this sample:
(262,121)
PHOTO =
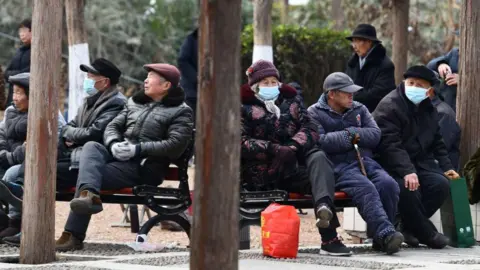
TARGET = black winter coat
(162,129)
(376,77)
(90,123)
(20,63)
(450,129)
(411,137)
(449,93)
(187,63)
(13,133)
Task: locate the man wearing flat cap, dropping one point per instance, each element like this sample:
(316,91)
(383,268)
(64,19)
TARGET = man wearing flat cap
(413,152)
(342,124)
(370,67)
(154,129)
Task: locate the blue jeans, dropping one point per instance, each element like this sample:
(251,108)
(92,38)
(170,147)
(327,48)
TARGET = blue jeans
(11,175)
(375,195)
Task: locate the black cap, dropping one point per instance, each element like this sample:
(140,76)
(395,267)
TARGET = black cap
(22,80)
(421,72)
(105,68)
(365,31)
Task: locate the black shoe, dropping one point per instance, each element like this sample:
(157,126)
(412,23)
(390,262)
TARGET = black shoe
(13,240)
(392,243)
(324,215)
(410,239)
(438,241)
(335,248)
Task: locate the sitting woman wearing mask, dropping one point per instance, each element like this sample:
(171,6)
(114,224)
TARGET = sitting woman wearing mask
(278,148)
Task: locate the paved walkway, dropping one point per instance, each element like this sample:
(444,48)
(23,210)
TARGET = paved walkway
(418,259)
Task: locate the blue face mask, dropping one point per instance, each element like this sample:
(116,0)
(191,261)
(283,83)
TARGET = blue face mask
(89,87)
(416,94)
(268,93)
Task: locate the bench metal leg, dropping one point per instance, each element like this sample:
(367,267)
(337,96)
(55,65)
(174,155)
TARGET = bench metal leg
(180,219)
(134,224)
(245,238)
(244,228)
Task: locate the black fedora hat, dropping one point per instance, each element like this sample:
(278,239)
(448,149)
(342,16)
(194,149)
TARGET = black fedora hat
(365,31)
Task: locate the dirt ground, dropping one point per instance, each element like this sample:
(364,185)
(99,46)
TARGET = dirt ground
(101,229)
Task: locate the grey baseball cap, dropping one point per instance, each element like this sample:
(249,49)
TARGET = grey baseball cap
(340,81)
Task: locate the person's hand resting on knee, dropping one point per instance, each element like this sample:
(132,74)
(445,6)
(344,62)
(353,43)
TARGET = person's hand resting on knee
(124,151)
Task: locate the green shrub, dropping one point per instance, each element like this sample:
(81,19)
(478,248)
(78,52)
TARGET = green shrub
(303,55)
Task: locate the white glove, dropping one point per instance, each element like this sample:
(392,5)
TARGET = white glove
(117,151)
(126,151)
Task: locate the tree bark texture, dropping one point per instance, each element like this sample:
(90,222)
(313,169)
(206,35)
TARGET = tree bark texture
(468,93)
(262,22)
(77,54)
(337,15)
(262,30)
(400,37)
(216,199)
(38,227)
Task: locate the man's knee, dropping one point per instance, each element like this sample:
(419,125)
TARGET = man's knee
(318,158)
(93,147)
(387,185)
(441,188)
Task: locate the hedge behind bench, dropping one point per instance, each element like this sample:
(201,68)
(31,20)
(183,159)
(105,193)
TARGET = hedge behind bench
(303,55)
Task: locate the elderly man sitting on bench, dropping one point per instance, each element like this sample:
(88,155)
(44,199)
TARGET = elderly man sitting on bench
(344,125)
(139,144)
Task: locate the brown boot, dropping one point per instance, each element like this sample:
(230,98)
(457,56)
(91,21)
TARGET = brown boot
(88,203)
(68,242)
(14,227)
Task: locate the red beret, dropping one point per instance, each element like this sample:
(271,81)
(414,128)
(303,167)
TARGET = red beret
(167,71)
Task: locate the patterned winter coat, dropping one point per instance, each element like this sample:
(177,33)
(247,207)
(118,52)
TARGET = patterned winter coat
(261,129)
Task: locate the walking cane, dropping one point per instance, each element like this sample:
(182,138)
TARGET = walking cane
(359,156)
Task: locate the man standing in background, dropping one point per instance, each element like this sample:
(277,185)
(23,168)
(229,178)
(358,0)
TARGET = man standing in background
(21,60)
(188,66)
(370,67)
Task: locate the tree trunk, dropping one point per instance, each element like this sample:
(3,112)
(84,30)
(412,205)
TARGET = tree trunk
(468,93)
(77,54)
(285,7)
(215,223)
(450,41)
(337,15)
(400,37)
(262,30)
(38,227)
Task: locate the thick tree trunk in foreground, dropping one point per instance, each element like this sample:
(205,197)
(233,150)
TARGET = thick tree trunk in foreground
(468,93)
(38,228)
(215,223)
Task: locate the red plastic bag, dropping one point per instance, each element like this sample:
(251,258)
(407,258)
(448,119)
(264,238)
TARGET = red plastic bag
(280,229)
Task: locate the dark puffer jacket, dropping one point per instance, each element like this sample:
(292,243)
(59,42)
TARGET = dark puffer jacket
(13,133)
(376,77)
(162,129)
(261,129)
(90,123)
